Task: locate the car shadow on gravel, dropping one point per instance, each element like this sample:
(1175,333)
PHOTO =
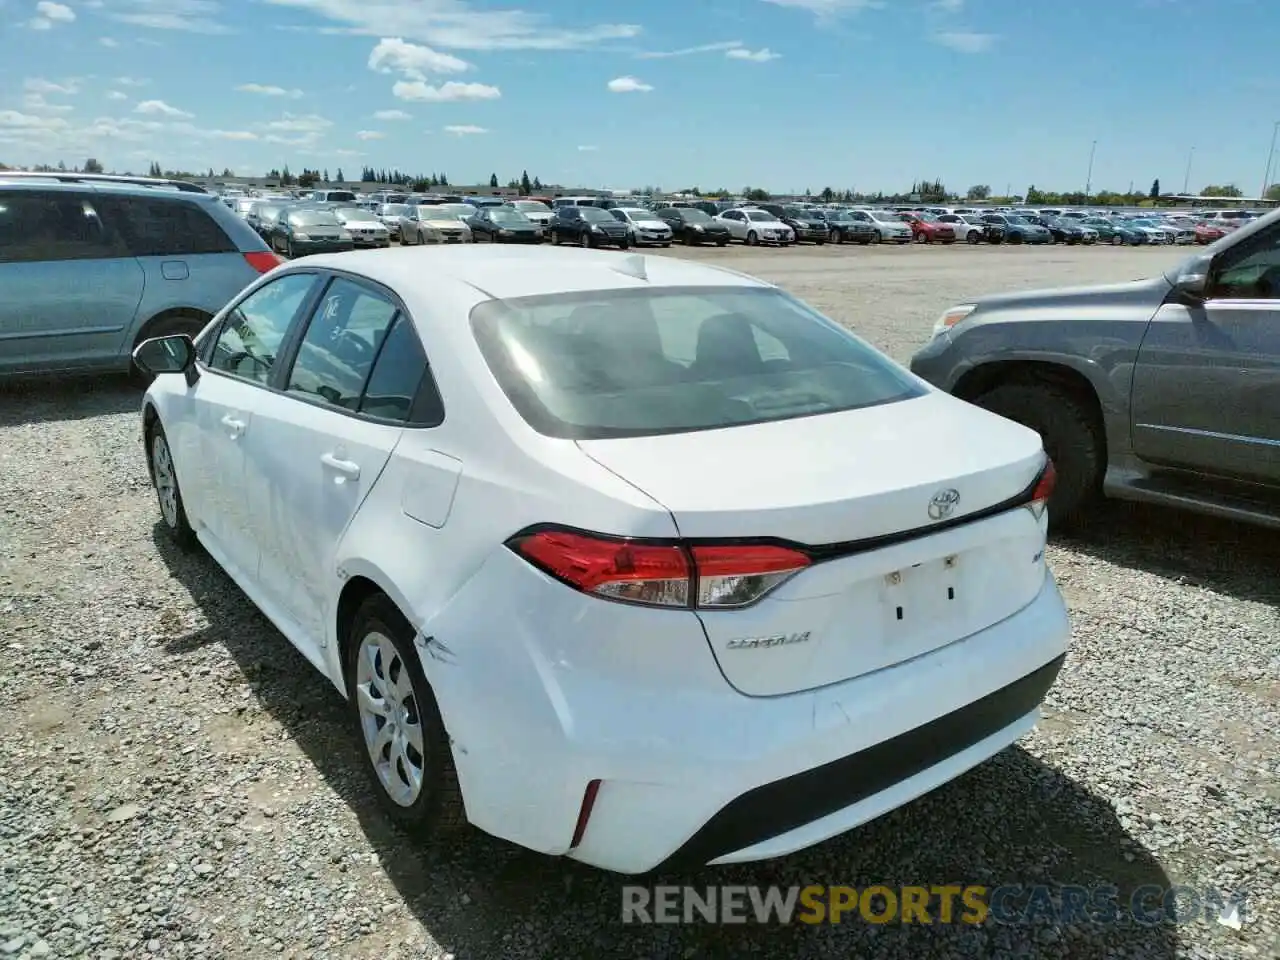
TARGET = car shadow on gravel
(43,401)
(1231,558)
(1012,821)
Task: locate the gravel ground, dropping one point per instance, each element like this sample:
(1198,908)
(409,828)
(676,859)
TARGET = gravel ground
(175,781)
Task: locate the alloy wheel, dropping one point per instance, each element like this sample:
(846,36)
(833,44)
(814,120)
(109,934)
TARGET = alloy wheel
(165,479)
(390,718)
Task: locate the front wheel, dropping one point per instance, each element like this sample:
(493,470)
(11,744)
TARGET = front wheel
(555,238)
(722,243)
(973,236)
(1117,240)
(875,237)
(1071,438)
(752,239)
(164,477)
(584,241)
(408,756)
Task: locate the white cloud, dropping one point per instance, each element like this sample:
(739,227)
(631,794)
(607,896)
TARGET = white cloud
(159,108)
(370,135)
(49,13)
(964,41)
(109,41)
(391,115)
(687,51)
(36,103)
(628,85)
(40,86)
(311,123)
(189,16)
(588,149)
(269,90)
(463,130)
(446,92)
(393,55)
(827,9)
(116,95)
(763,55)
(458,25)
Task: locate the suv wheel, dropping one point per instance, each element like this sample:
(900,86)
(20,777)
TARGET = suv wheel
(1071,439)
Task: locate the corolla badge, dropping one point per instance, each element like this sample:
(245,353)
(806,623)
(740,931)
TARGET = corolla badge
(764,643)
(943,504)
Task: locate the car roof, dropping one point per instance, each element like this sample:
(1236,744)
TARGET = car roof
(107,187)
(505,272)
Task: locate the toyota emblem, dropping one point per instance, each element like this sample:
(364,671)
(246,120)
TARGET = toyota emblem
(943,504)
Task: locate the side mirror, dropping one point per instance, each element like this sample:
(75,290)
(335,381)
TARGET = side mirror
(1193,279)
(172,354)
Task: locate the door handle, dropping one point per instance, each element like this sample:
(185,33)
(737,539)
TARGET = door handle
(233,424)
(348,468)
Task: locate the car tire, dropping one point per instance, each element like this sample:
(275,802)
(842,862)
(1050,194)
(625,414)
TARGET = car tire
(625,245)
(382,669)
(973,236)
(1116,240)
(722,243)
(837,236)
(164,478)
(288,249)
(584,240)
(555,238)
(874,237)
(1070,436)
(752,239)
(922,237)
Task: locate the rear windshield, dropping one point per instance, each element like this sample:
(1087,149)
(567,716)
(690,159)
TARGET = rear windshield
(638,363)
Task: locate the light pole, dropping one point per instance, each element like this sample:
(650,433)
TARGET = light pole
(1088,180)
(1186,179)
(1266,177)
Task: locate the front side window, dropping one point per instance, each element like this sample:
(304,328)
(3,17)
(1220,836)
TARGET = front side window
(341,343)
(38,226)
(254,329)
(642,363)
(1249,270)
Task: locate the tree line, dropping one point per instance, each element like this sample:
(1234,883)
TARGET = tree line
(922,190)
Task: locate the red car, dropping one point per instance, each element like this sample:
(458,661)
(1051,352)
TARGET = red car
(1208,231)
(926,228)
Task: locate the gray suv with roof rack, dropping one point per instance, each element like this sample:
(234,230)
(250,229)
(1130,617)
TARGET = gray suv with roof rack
(92,265)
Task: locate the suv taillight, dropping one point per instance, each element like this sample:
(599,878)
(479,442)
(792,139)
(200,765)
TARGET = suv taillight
(264,261)
(705,577)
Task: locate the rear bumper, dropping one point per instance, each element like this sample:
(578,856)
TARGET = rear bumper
(693,771)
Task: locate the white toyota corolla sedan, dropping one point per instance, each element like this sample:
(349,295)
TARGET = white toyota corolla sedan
(624,558)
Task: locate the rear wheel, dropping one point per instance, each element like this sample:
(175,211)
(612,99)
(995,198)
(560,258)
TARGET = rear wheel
(875,237)
(555,238)
(1071,438)
(407,752)
(837,236)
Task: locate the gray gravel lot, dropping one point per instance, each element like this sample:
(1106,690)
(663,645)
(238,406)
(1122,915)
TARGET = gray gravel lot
(175,781)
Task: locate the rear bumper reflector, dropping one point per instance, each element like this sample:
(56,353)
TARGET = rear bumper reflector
(782,806)
(584,812)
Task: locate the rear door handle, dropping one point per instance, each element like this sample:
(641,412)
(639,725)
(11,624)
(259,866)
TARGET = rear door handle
(348,468)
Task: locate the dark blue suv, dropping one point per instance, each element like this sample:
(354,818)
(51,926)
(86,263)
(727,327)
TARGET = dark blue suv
(91,267)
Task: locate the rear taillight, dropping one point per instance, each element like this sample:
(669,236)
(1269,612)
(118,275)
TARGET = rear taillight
(661,574)
(264,261)
(1043,489)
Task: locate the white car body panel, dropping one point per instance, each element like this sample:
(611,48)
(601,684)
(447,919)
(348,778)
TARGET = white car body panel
(544,688)
(890,230)
(771,230)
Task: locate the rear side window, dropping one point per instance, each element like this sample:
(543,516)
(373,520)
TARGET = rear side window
(342,341)
(38,226)
(168,228)
(641,363)
(397,376)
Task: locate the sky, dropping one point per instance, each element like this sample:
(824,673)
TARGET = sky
(786,95)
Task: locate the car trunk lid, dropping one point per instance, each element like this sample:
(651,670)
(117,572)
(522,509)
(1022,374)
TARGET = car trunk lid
(906,511)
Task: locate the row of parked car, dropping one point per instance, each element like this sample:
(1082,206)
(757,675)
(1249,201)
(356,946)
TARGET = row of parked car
(339,220)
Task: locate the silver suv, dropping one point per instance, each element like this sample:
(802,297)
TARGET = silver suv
(1165,390)
(91,268)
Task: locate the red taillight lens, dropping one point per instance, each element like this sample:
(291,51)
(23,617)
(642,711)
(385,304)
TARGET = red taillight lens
(264,261)
(733,576)
(617,569)
(1043,488)
(665,575)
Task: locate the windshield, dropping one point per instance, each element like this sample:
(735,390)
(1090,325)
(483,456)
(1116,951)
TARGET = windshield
(627,363)
(760,215)
(448,211)
(694,216)
(883,216)
(314,218)
(395,210)
(531,206)
(339,196)
(357,214)
(508,216)
(596,215)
